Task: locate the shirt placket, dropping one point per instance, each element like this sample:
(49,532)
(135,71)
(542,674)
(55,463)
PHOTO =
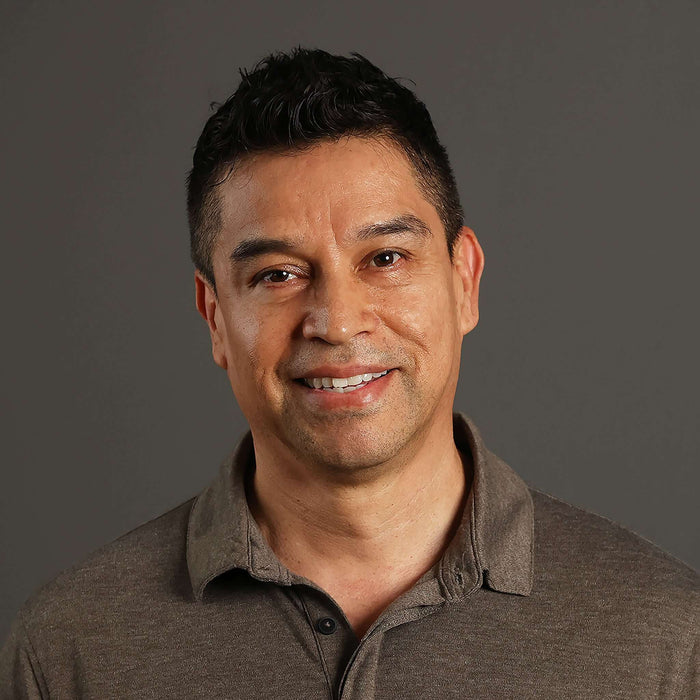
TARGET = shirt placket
(335,639)
(359,680)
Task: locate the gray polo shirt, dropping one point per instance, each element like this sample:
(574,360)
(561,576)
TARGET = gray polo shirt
(532,599)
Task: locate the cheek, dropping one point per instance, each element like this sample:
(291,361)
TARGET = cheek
(255,344)
(244,341)
(424,314)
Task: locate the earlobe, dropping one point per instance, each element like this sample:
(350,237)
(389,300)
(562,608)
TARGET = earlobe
(208,306)
(468,260)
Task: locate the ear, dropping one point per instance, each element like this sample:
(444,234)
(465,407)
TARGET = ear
(208,306)
(468,264)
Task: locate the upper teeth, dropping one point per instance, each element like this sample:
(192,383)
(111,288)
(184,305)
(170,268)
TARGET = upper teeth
(342,382)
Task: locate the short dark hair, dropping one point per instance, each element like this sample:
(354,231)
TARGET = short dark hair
(295,100)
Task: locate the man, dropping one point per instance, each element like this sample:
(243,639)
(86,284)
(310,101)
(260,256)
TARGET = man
(361,542)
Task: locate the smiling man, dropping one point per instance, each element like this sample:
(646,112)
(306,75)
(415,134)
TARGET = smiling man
(361,542)
(338,314)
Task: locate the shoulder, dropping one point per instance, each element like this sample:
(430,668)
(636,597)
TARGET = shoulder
(559,522)
(598,559)
(142,565)
(90,614)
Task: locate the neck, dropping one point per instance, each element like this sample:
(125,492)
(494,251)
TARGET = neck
(384,531)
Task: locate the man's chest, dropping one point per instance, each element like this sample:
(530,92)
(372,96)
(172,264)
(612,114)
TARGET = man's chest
(295,644)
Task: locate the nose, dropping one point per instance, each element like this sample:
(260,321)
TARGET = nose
(339,309)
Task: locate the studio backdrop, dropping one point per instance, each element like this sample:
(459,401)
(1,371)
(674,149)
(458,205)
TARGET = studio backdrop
(572,129)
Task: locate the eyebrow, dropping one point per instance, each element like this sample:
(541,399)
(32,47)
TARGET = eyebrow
(407,223)
(255,246)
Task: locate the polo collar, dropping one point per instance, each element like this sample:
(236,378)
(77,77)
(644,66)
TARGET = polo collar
(499,517)
(493,544)
(222,534)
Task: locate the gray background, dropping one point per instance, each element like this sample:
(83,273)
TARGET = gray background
(573,130)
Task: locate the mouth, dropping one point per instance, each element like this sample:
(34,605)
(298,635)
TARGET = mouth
(342,385)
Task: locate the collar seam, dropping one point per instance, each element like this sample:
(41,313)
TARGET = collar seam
(188,543)
(475,545)
(248,543)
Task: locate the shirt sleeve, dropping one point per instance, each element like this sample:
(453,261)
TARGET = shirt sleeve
(20,674)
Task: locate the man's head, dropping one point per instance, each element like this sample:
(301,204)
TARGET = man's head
(341,299)
(293,101)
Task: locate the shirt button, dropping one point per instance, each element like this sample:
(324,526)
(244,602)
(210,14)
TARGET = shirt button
(326,625)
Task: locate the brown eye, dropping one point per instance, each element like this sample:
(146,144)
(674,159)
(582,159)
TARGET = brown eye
(385,258)
(276,276)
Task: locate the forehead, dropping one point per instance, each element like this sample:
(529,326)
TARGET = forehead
(331,187)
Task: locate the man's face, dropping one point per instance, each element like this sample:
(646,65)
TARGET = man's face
(331,266)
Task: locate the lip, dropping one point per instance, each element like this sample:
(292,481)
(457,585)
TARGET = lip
(343,372)
(329,400)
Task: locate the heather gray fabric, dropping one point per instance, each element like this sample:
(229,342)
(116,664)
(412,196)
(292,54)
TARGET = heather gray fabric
(532,599)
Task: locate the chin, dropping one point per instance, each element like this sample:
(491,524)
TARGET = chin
(347,452)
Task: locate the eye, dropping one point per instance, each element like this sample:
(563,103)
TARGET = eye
(386,258)
(276,276)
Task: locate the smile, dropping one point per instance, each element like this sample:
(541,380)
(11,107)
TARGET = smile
(343,385)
